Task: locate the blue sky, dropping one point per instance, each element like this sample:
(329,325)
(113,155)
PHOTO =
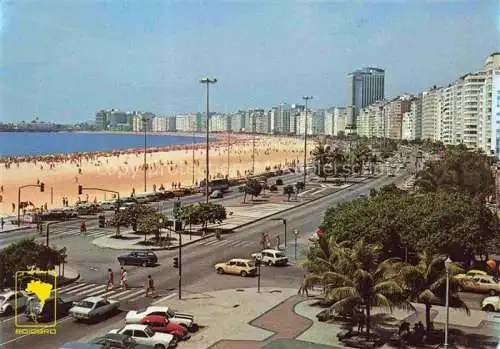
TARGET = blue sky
(62,60)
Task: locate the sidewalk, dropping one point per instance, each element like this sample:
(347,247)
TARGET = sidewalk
(9,227)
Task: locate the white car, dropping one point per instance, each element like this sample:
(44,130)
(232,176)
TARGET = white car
(185,320)
(143,334)
(271,257)
(491,303)
(8,302)
(108,205)
(93,308)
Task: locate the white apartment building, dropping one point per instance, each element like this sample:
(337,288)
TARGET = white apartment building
(340,119)
(218,123)
(370,121)
(186,123)
(470,110)
(491,105)
(328,125)
(139,122)
(302,122)
(431,113)
(159,124)
(238,121)
(412,120)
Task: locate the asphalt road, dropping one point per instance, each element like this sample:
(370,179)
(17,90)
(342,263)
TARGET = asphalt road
(198,262)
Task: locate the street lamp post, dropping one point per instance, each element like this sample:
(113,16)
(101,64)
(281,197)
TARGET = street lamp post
(447,263)
(306,98)
(207,81)
(296,234)
(253,146)
(42,189)
(48,230)
(194,130)
(144,126)
(228,151)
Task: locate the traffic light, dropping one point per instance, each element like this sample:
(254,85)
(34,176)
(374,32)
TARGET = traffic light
(80,190)
(102,221)
(42,187)
(176,262)
(258,262)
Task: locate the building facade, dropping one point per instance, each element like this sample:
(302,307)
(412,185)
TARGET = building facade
(365,86)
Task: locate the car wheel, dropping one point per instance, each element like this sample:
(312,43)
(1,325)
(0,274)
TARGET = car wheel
(243,273)
(489,308)
(159,346)
(8,311)
(492,292)
(220,271)
(144,264)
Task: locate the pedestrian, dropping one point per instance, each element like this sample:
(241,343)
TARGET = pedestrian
(123,281)
(2,222)
(150,287)
(13,207)
(83,228)
(111,283)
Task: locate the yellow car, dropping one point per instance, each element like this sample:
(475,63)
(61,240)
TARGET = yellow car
(470,274)
(237,266)
(480,284)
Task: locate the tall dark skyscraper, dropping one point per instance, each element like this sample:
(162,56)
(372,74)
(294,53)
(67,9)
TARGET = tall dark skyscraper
(366,86)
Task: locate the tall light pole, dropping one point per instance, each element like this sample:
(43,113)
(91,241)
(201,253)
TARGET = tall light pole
(228,151)
(207,81)
(306,98)
(447,263)
(144,126)
(253,146)
(193,125)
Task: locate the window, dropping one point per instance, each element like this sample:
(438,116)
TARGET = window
(140,334)
(128,332)
(232,263)
(159,313)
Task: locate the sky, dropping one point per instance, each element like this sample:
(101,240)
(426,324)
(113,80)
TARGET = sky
(63,60)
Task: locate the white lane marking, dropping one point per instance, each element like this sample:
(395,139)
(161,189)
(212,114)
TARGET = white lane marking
(115,295)
(69,287)
(213,242)
(97,289)
(241,243)
(132,295)
(80,289)
(164,298)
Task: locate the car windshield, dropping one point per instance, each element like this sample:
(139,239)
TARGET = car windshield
(250,264)
(149,332)
(85,304)
(170,313)
(140,311)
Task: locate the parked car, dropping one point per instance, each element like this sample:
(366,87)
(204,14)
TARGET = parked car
(491,303)
(53,309)
(118,341)
(470,274)
(162,324)
(271,257)
(480,284)
(93,308)
(185,320)
(8,303)
(216,194)
(243,267)
(144,258)
(145,335)
(109,205)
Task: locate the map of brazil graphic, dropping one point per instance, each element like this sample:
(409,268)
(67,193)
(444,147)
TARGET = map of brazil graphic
(40,286)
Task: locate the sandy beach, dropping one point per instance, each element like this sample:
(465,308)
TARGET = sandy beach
(124,172)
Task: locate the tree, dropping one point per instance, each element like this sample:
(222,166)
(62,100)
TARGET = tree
(131,215)
(252,187)
(322,156)
(288,190)
(299,186)
(459,170)
(149,223)
(440,223)
(205,213)
(354,277)
(426,283)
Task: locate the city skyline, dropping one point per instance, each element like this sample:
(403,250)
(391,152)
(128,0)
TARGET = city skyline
(154,63)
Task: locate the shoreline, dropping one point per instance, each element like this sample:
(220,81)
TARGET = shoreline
(123,171)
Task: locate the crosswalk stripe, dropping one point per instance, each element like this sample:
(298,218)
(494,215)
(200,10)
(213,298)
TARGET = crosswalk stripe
(241,243)
(213,242)
(102,287)
(233,243)
(69,287)
(80,289)
(132,295)
(113,296)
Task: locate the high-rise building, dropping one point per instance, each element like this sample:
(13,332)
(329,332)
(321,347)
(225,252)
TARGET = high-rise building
(366,86)
(431,113)
(340,117)
(238,121)
(187,123)
(159,124)
(412,120)
(490,138)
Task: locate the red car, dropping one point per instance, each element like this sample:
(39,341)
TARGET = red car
(161,324)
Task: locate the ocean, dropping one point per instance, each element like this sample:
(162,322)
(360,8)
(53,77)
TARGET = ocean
(44,143)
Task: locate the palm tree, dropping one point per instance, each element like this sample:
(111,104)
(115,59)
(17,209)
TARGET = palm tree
(426,283)
(322,156)
(353,277)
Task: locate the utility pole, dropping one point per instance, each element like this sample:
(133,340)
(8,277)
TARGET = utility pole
(144,124)
(306,98)
(207,81)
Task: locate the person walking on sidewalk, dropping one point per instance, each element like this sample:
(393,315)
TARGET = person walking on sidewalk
(2,222)
(123,279)
(111,283)
(83,228)
(150,287)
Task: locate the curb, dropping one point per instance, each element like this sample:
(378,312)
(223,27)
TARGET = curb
(68,281)
(15,229)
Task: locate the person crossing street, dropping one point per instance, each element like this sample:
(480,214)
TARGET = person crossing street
(110,284)
(150,287)
(123,279)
